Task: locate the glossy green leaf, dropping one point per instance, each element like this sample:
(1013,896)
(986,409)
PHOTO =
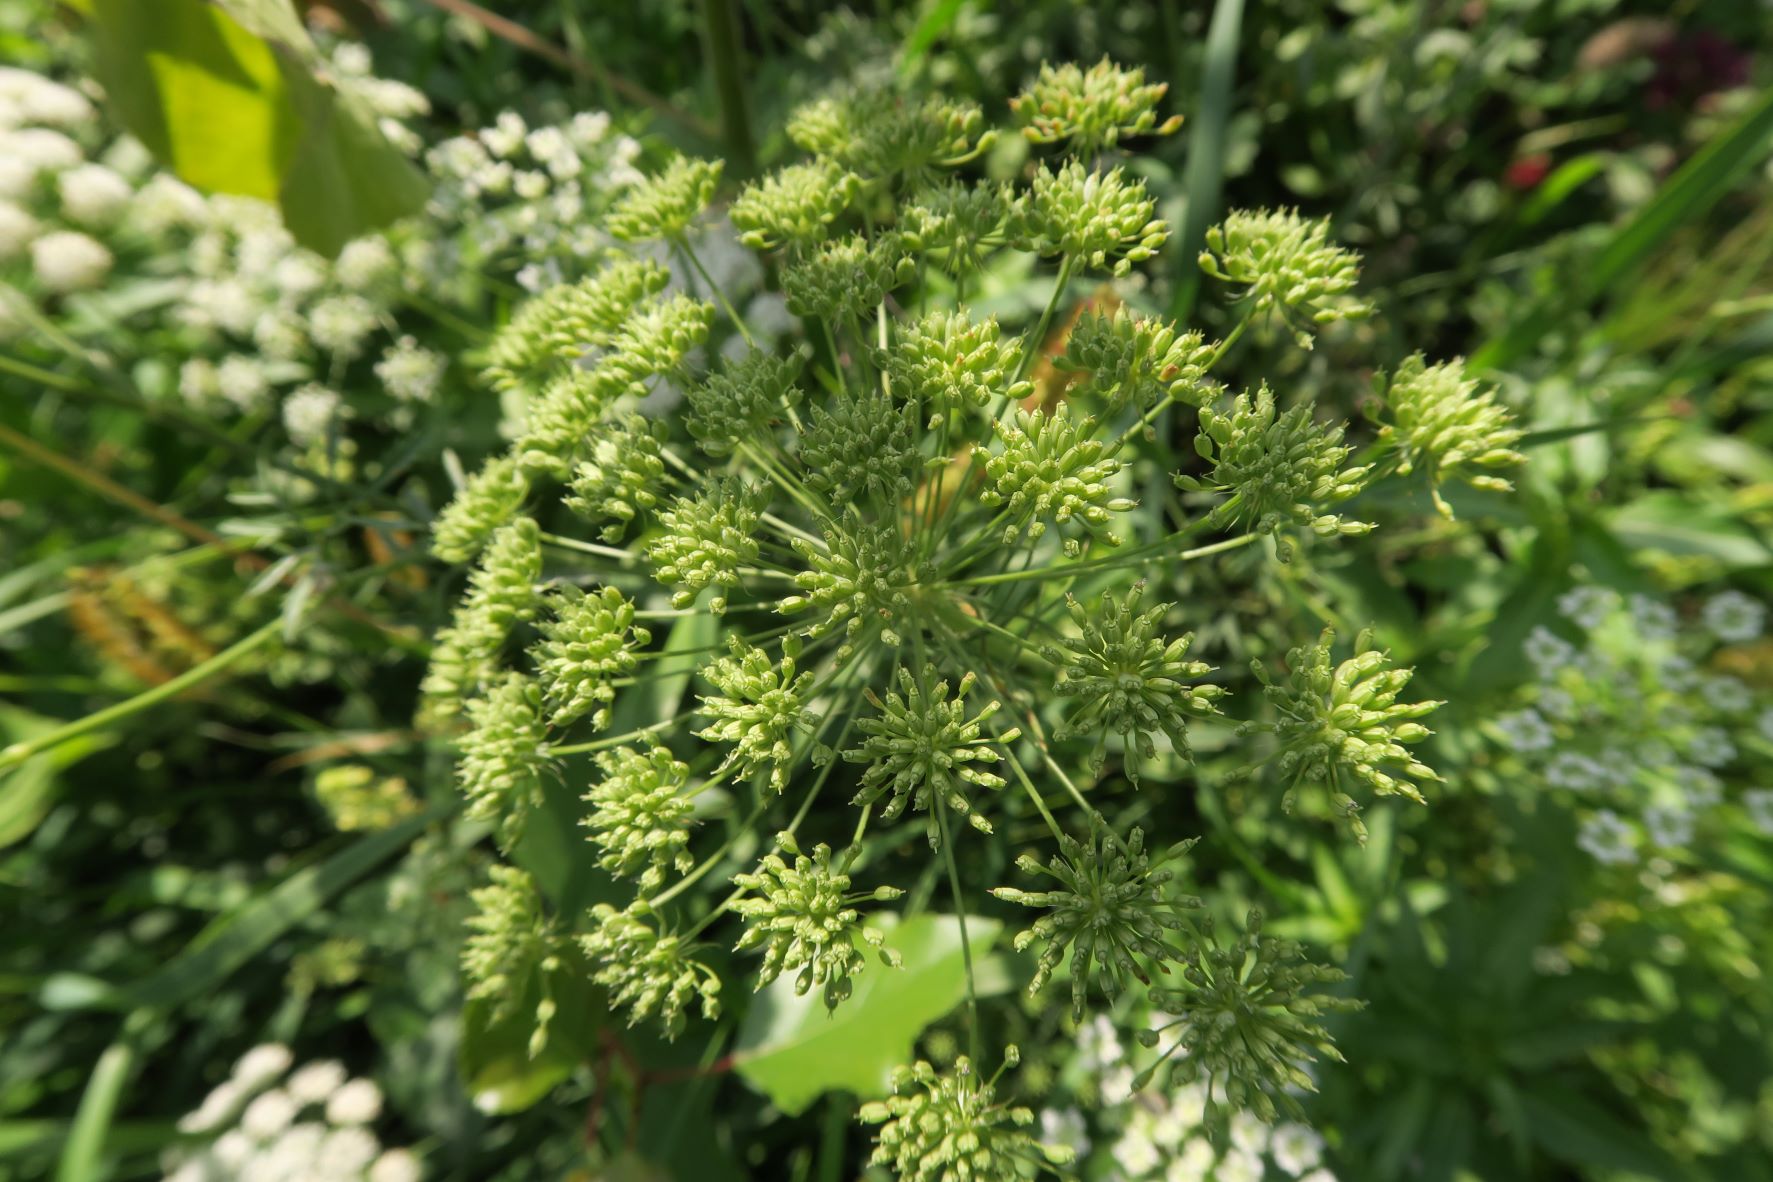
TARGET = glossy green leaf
(792,1050)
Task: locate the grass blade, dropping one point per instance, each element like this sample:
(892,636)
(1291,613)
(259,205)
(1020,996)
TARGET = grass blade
(1204,179)
(1694,188)
(85,1146)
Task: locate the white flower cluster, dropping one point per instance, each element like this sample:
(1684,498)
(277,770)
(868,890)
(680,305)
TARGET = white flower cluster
(1636,719)
(1152,1136)
(532,192)
(271,1124)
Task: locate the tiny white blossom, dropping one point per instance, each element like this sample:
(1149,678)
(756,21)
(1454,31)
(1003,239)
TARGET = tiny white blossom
(1239,1165)
(1067,1127)
(506,135)
(410,373)
(346,1153)
(1098,1045)
(1588,607)
(1525,730)
(1704,789)
(356,1102)
(298,275)
(66,261)
(307,415)
(1296,1148)
(1136,1153)
(1607,838)
(313,1082)
(1711,747)
(1249,1133)
(395,1165)
(340,323)
(1759,803)
(269,1114)
(241,380)
(1655,620)
(92,195)
(1194,1164)
(221,1101)
(17,229)
(165,203)
(1575,771)
(1548,652)
(1734,617)
(1727,695)
(261,1065)
(1669,825)
(1319,1175)
(365,263)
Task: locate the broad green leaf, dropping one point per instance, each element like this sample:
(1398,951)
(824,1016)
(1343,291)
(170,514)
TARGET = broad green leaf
(203,94)
(228,96)
(1672,524)
(501,1075)
(234,939)
(1577,1131)
(793,1051)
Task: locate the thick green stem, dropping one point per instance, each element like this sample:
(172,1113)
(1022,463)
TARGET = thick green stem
(960,917)
(725,58)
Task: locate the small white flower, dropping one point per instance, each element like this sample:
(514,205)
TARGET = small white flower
(1548,652)
(410,373)
(241,380)
(352,58)
(1249,1133)
(589,127)
(1734,617)
(197,381)
(1525,730)
(1727,695)
(505,136)
(1704,789)
(529,184)
(1655,620)
(261,1065)
(231,1151)
(1759,803)
(165,203)
(1194,1164)
(280,335)
(1098,1044)
(1296,1148)
(357,1102)
(1588,607)
(339,323)
(1319,1176)
(1575,771)
(298,275)
(312,1083)
(1066,1127)
(1669,825)
(346,1153)
(1764,724)
(66,260)
(216,1107)
(307,415)
(269,1114)
(1607,838)
(366,263)
(1136,1153)
(92,195)
(396,1165)
(1117,1085)
(1239,1166)
(41,149)
(1711,746)
(17,229)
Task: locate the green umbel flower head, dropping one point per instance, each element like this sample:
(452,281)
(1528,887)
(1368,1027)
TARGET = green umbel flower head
(666,205)
(862,447)
(845,279)
(648,971)
(804,918)
(1281,469)
(1286,265)
(1124,678)
(503,755)
(959,222)
(490,498)
(948,362)
(558,425)
(706,540)
(514,951)
(856,582)
(501,595)
(1051,470)
(640,818)
(741,403)
(590,641)
(564,322)
(950,1128)
(1110,908)
(1346,720)
(794,205)
(923,750)
(759,707)
(1094,108)
(883,136)
(1100,220)
(1443,424)
(620,478)
(1138,361)
(1249,1023)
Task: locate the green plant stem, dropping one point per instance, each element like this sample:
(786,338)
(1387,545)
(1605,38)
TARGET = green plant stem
(1039,336)
(83,1152)
(588,547)
(1110,564)
(725,57)
(196,675)
(960,917)
(1034,795)
(720,297)
(614,740)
